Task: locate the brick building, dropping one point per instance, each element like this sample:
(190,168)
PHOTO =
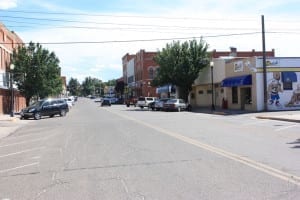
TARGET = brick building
(140,69)
(234,53)
(8,42)
(138,73)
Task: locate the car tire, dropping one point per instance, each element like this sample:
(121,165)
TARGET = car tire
(62,113)
(127,105)
(51,116)
(37,116)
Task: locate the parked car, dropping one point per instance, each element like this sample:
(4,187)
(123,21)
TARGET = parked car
(160,104)
(45,107)
(144,101)
(105,102)
(131,101)
(175,105)
(151,104)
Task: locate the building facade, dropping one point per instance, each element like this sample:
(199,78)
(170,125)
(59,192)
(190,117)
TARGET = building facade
(9,95)
(138,72)
(232,82)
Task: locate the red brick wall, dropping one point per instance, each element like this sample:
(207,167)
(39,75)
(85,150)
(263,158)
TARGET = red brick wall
(9,41)
(217,54)
(5,101)
(144,60)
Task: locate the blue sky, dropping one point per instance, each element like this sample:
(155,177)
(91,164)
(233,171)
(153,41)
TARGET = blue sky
(221,23)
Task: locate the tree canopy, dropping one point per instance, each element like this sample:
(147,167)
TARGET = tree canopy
(74,87)
(36,72)
(180,64)
(91,86)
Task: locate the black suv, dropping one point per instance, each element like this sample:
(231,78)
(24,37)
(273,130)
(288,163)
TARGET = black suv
(45,107)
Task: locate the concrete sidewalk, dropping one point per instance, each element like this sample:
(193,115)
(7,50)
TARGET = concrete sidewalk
(291,116)
(10,124)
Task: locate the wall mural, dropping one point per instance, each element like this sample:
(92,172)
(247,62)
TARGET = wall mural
(283,90)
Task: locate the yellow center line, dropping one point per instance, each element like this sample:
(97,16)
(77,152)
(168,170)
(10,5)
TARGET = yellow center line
(235,157)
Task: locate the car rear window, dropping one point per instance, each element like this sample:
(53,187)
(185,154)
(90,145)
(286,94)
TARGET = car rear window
(150,99)
(172,101)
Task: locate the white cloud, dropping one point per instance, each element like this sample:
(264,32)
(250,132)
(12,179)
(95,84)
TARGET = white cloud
(7,4)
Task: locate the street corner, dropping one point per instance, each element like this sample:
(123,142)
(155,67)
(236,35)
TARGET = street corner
(283,117)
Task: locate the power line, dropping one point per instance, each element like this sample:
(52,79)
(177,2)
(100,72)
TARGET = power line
(115,24)
(127,16)
(143,40)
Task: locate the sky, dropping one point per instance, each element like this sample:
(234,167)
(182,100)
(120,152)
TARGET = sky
(90,37)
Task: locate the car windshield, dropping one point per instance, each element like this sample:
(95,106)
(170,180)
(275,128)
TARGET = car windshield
(164,100)
(37,103)
(141,98)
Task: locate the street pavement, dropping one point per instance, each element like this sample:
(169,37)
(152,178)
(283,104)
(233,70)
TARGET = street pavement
(131,153)
(10,124)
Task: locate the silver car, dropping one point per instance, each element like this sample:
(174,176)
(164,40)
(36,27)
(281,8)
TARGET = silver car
(175,105)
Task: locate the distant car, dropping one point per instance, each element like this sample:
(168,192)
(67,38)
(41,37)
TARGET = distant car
(144,101)
(98,100)
(105,102)
(70,102)
(45,107)
(175,105)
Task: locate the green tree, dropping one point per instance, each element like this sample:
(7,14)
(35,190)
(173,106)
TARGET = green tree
(74,87)
(91,86)
(112,82)
(180,64)
(36,72)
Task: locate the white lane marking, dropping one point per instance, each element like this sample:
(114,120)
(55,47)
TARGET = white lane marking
(20,152)
(19,167)
(235,157)
(286,127)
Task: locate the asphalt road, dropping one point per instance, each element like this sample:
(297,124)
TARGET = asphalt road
(128,153)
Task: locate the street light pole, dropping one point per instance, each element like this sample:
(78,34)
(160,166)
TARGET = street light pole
(212,85)
(12,102)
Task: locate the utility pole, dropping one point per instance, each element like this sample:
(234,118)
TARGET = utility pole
(264,64)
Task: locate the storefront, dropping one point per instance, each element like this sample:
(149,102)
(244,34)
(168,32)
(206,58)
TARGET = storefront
(245,90)
(238,84)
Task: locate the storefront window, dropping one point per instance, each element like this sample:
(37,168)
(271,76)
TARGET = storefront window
(151,73)
(234,95)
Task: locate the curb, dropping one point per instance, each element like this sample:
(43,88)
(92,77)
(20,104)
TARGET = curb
(279,119)
(12,119)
